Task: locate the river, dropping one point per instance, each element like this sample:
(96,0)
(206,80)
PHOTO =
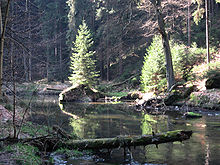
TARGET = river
(99,120)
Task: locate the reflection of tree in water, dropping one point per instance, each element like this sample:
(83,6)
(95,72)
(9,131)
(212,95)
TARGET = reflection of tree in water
(153,123)
(156,124)
(147,124)
(82,127)
(102,120)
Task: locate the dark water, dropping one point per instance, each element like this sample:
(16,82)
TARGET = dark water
(110,120)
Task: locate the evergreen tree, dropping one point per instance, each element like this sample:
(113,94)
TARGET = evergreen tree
(82,60)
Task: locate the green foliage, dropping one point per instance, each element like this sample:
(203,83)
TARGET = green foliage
(24,154)
(8,107)
(34,130)
(194,114)
(184,59)
(214,69)
(82,59)
(154,72)
(208,70)
(118,94)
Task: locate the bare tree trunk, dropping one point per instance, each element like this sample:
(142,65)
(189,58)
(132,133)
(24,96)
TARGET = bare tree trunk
(29,37)
(3,30)
(47,64)
(61,67)
(14,94)
(1,18)
(25,67)
(30,68)
(207,31)
(12,56)
(189,23)
(108,66)
(101,67)
(166,46)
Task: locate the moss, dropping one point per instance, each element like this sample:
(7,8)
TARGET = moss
(34,130)
(24,154)
(193,115)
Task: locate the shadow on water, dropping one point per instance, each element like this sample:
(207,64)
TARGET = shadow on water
(110,120)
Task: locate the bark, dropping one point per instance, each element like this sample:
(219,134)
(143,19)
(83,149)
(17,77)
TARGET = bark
(60,63)
(166,46)
(29,37)
(189,23)
(109,143)
(108,67)
(3,30)
(25,67)
(207,31)
(1,18)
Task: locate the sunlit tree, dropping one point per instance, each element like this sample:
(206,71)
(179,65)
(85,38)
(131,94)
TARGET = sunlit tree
(82,59)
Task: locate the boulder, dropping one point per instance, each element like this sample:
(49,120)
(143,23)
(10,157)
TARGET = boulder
(132,96)
(79,93)
(213,82)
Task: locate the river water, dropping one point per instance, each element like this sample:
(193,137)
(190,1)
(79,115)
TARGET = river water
(109,120)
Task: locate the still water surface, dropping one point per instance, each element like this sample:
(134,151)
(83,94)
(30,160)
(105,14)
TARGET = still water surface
(109,120)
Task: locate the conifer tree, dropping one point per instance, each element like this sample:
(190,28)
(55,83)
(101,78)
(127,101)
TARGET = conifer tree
(82,60)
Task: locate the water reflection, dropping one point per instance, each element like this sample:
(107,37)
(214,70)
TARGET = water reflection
(113,120)
(101,120)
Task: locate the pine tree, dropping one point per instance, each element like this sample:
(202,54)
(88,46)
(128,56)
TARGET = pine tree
(82,60)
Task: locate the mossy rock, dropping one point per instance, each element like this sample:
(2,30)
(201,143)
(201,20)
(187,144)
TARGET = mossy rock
(80,93)
(213,82)
(192,115)
(132,96)
(172,98)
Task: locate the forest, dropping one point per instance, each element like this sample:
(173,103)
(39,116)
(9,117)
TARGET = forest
(81,81)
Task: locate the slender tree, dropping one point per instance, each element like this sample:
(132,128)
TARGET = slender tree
(198,14)
(3,30)
(166,46)
(189,22)
(82,59)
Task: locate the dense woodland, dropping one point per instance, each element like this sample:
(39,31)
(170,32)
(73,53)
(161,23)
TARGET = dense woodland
(40,34)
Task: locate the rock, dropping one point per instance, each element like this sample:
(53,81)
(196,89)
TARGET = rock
(192,115)
(213,82)
(188,91)
(79,93)
(132,96)
(172,98)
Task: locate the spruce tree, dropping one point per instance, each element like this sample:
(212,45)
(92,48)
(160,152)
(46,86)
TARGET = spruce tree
(82,60)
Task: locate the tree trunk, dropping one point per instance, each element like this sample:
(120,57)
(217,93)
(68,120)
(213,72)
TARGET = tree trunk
(30,67)
(109,143)
(1,18)
(3,30)
(48,63)
(189,23)
(107,68)
(166,46)
(207,31)
(29,37)
(61,67)
(25,67)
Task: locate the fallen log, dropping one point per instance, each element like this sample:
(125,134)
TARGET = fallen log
(127,141)
(51,143)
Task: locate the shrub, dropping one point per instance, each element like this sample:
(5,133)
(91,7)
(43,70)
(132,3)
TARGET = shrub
(154,71)
(24,154)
